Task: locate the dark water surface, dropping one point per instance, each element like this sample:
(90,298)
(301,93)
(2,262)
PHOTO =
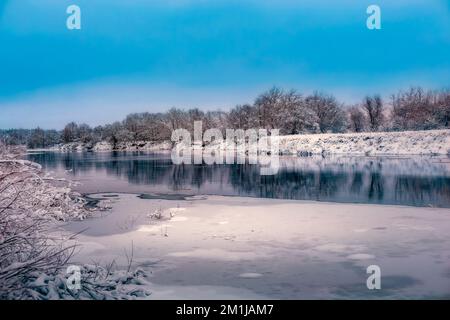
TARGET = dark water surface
(401,180)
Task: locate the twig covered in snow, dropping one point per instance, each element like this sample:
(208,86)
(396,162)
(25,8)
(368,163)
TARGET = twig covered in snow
(99,283)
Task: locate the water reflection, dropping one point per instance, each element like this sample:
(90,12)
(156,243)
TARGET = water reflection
(419,181)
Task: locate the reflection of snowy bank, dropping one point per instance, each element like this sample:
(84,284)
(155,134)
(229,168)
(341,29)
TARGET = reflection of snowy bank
(385,165)
(232,247)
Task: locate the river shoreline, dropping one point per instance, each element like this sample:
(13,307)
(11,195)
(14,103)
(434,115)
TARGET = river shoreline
(431,142)
(401,180)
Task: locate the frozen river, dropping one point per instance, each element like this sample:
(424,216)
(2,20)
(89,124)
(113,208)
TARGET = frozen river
(412,181)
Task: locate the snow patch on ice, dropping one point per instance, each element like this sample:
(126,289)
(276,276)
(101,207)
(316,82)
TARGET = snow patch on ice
(153,228)
(250,275)
(178,219)
(219,254)
(340,248)
(415,228)
(202,292)
(362,230)
(361,256)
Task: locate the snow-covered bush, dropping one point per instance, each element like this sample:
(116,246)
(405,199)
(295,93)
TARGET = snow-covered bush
(99,283)
(28,203)
(33,253)
(160,214)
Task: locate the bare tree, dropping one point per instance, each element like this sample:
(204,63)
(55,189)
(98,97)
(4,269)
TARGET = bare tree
(243,117)
(328,114)
(115,133)
(417,109)
(442,104)
(215,119)
(357,119)
(37,139)
(176,119)
(284,110)
(294,115)
(134,125)
(268,108)
(154,127)
(84,133)
(69,133)
(374,108)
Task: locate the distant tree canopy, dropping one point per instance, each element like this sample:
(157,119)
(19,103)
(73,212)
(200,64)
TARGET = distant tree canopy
(289,111)
(417,109)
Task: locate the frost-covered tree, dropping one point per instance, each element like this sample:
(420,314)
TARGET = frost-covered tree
(175,118)
(283,110)
(328,113)
(154,127)
(37,139)
(84,133)
(357,119)
(269,107)
(115,133)
(417,109)
(69,132)
(295,115)
(374,109)
(442,106)
(215,119)
(242,117)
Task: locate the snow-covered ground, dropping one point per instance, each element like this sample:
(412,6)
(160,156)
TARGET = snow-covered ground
(378,143)
(237,248)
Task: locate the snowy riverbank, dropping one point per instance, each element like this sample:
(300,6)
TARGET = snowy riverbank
(231,247)
(378,143)
(34,251)
(106,146)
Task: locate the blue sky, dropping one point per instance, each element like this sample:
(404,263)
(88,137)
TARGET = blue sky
(139,55)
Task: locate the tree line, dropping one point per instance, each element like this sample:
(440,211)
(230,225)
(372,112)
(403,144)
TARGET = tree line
(289,111)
